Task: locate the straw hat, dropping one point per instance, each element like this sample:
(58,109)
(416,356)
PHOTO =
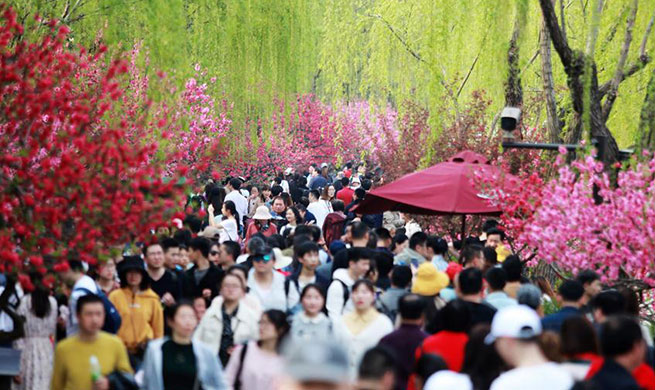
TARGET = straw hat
(262,213)
(281,261)
(428,281)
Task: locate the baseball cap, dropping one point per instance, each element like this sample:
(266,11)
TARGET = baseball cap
(322,360)
(448,380)
(529,295)
(517,322)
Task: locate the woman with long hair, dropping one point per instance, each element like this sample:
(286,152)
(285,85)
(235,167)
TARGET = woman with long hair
(178,362)
(257,364)
(312,322)
(40,312)
(229,226)
(293,220)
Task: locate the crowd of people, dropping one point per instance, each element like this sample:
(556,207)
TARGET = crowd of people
(284,285)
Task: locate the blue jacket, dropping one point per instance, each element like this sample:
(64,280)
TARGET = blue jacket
(554,321)
(210,372)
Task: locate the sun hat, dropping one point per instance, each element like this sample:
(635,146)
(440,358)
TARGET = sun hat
(324,360)
(281,261)
(262,213)
(210,232)
(517,322)
(453,269)
(428,281)
(131,263)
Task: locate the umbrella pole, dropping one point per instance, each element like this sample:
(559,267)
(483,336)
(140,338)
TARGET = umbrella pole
(463,230)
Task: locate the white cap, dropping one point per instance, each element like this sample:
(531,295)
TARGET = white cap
(448,380)
(517,322)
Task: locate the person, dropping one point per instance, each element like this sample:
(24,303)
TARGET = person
(513,268)
(404,341)
(228,253)
(428,283)
(377,369)
(469,290)
(530,295)
(255,200)
(261,224)
(490,258)
(82,285)
(578,346)
(293,220)
(437,250)
(233,194)
(334,224)
(165,283)
(204,278)
(590,281)
(311,323)
(497,297)
(514,332)
(346,193)
(450,342)
(266,284)
(179,362)
(338,302)
(623,348)
(214,252)
(76,356)
(364,327)
(570,294)
(171,255)
(472,256)
(142,318)
(399,243)
(278,212)
(305,274)
(106,278)
(401,278)
(411,226)
(417,252)
(228,321)
(228,228)
(199,306)
(482,364)
(453,270)
(40,312)
(321,364)
(257,364)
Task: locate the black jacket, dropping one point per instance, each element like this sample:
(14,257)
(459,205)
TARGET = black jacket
(613,376)
(211,280)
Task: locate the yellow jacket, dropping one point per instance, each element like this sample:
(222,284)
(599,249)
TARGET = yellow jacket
(142,317)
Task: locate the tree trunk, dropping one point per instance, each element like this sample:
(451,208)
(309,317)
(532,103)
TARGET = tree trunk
(647,117)
(513,89)
(552,122)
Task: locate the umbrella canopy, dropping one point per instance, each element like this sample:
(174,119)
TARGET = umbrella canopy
(443,189)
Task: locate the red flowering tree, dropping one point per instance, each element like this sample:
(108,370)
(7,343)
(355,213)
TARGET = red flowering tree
(71,183)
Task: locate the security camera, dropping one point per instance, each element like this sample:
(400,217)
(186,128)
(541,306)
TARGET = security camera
(509,118)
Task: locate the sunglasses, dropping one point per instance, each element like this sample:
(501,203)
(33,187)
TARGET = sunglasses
(265,258)
(213,253)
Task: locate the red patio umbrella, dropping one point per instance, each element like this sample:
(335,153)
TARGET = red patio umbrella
(443,189)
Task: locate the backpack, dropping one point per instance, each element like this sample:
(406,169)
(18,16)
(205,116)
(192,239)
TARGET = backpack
(346,292)
(112,317)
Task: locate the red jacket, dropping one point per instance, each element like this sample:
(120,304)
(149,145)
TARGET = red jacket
(449,345)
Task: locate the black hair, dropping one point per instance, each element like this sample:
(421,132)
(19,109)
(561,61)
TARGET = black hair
(39,296)
(587,276)
(456,316)
(577,336)
(571,290)
(87,300)
(76,265)
(279,320)
(481,360)
(171,311)
(438,245)
(278,180)
(427,365)
(296,213)
(216,196)
(469,253)
(168,243)
(243,285)
(183,237)
(232,248)
(513,267)
(496,277)
(360,193)
(302,204)
(418,238)
(631,300)
(470,281)
(398,239)
(376,362)
(384,261)
(490,256)
(411,306)
(306,247)
(359,230)
(312,231)
(238,268)
(618,335)
(337,205)
(369,285)
(345,181)
(276,190)
(194,223)
(496,231)
(357,254)
(235,183)
(232,208)
(383,233)
(401,276)
(275,241)
(202,244)
(316,287)
(489,224)
(301,181)
(609,302)
(315,194)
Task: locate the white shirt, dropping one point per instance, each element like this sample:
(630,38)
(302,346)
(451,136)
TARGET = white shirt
(294,293)
(271,298)
(334,302)
(87,283)
(320,211)
(547,376)
(240,202)
(229,232)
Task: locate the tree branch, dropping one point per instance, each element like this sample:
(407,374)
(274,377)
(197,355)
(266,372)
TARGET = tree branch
(557,36)
(616,80)
(399,37)
(553,122)
(644,41)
